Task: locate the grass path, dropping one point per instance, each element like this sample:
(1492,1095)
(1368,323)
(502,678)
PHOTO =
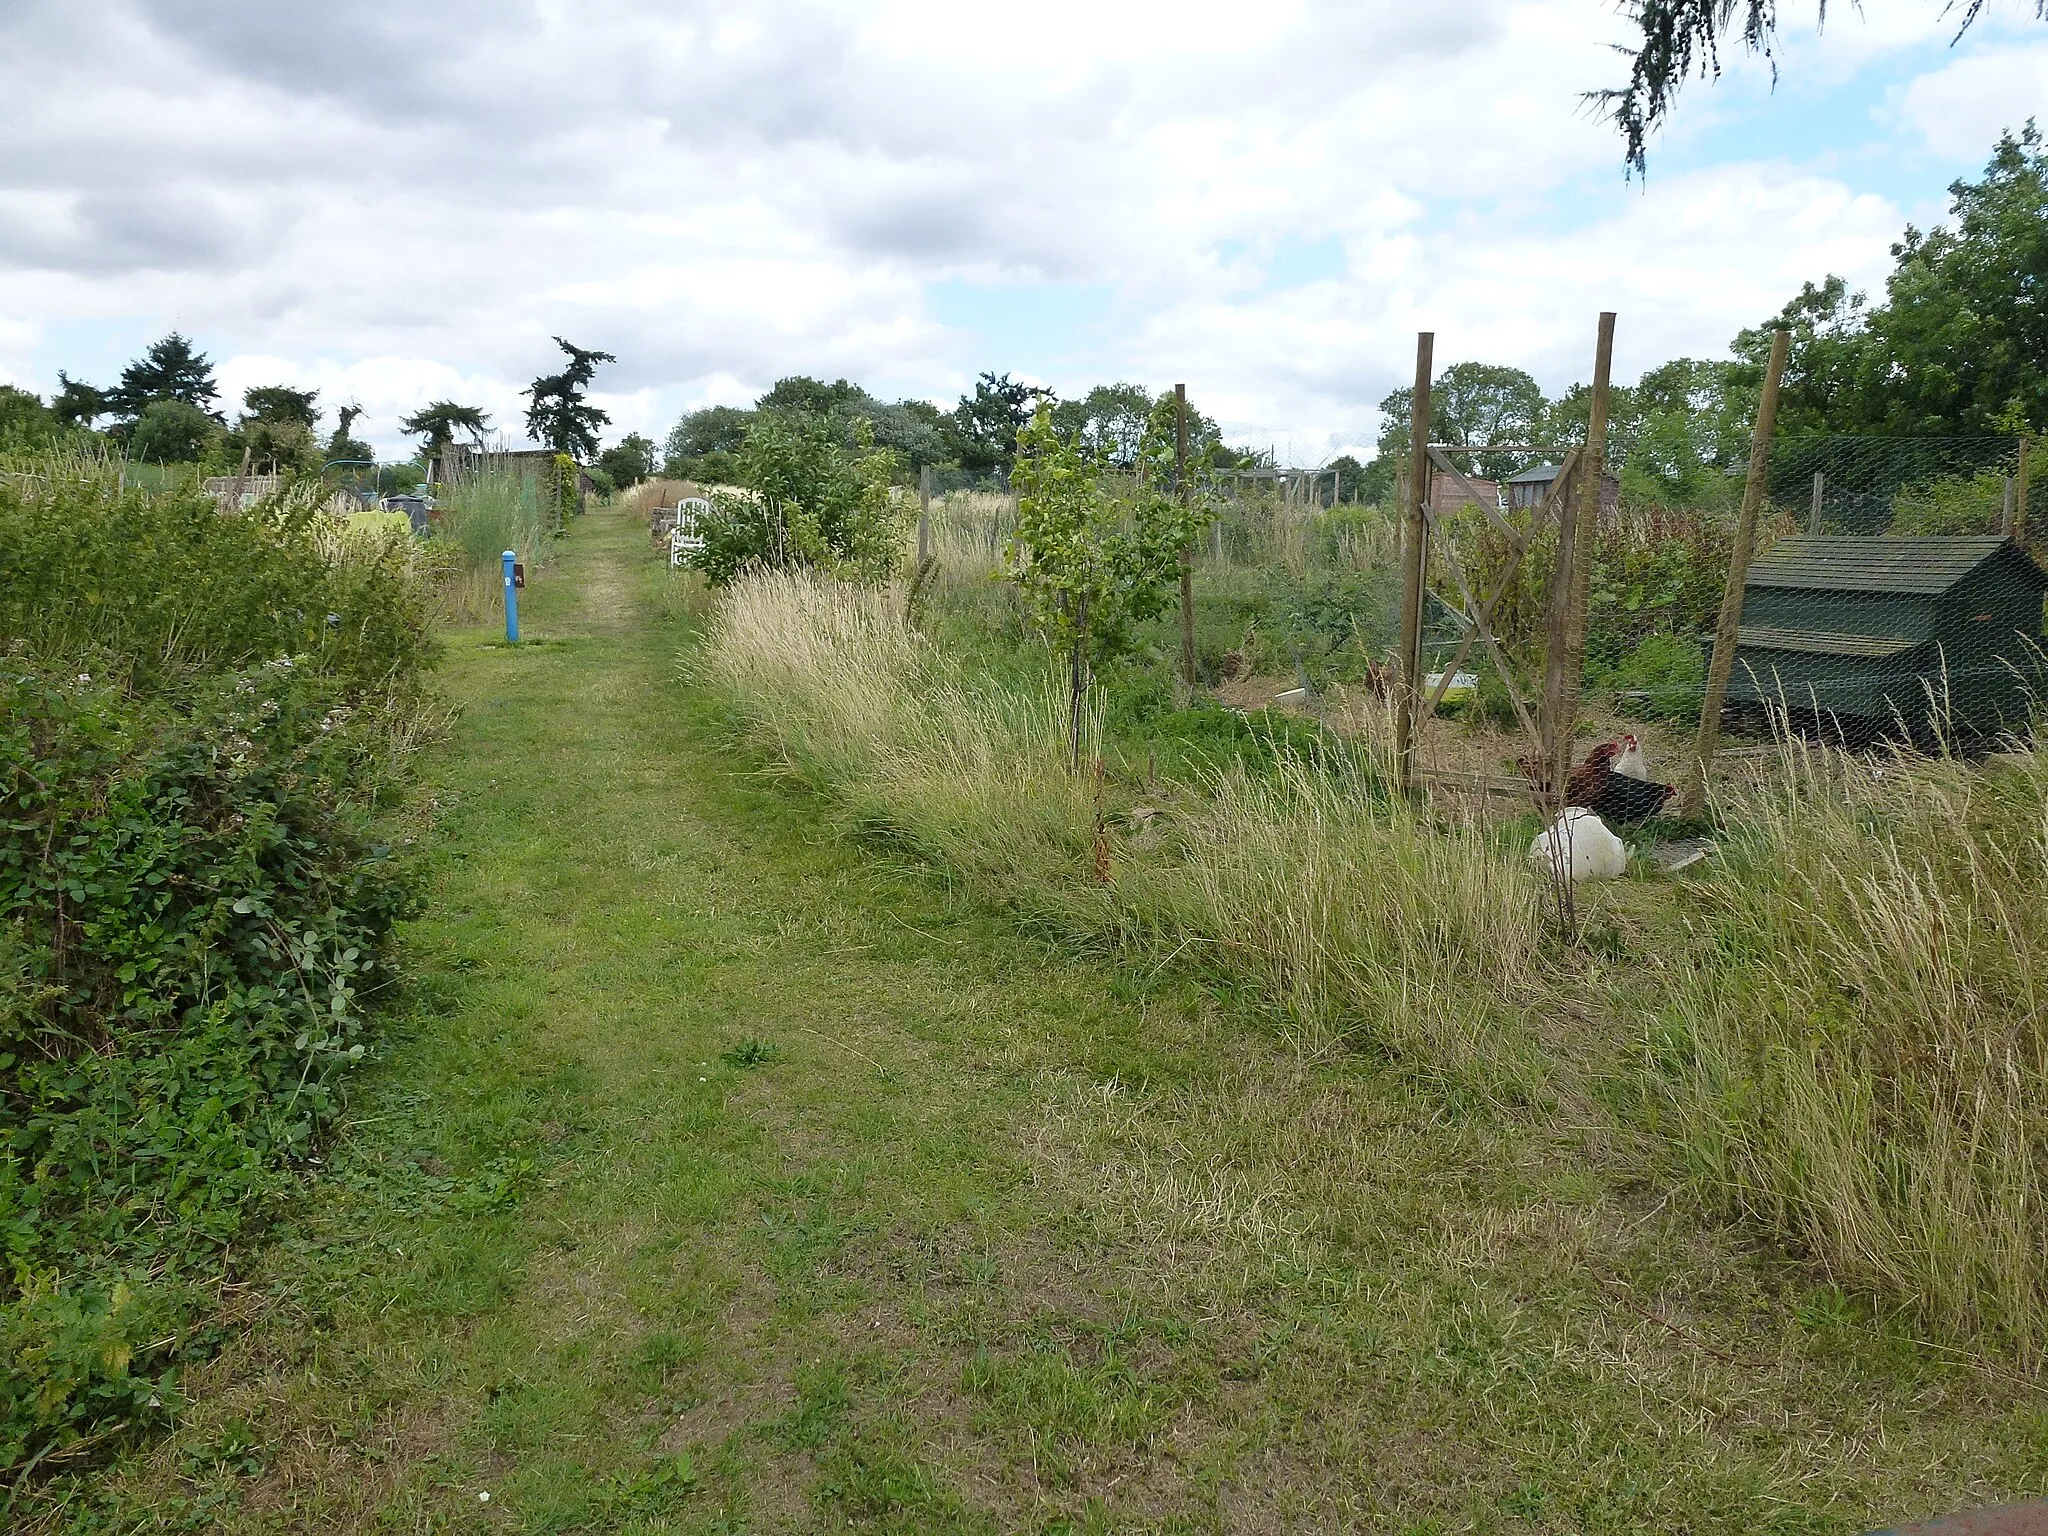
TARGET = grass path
(727,1177)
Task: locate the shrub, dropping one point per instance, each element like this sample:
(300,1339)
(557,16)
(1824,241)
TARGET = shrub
(156,587)
(194,739)
(810,501)
(171,432)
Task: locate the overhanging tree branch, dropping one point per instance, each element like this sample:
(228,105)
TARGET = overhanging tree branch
(1680,37)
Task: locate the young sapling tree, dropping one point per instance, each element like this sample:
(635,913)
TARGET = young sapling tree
(1094,553)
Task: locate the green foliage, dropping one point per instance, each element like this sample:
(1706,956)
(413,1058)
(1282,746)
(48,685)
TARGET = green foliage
(986,424)
(438,424)
(810,501)
(1092,556)
(716,430)
(171,432)
(1468,403)
(628,462)
(1960,345)
(489,512)
(558,414)
(1953,504)
(1204,737)
(281,404)
(78,404)
(194,736)
(172,369)
(1663,678)
(563,491)
(25,422)
(281,446)
(151,588)
(751,1053)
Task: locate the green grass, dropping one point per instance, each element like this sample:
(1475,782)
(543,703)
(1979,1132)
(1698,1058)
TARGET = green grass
(727,1174)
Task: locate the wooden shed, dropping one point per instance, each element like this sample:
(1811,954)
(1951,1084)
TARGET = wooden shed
(1530,487)
(1859,632)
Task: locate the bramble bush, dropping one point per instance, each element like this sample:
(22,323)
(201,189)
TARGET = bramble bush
(194,904)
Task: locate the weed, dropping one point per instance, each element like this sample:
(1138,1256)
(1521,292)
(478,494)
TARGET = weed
(750,1053)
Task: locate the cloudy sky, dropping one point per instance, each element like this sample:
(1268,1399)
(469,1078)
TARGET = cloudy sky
(400,200)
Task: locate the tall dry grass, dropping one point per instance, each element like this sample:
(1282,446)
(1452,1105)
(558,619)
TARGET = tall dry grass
(1350,910)
(1862,1060)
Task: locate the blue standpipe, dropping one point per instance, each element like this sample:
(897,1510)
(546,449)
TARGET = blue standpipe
(511,601)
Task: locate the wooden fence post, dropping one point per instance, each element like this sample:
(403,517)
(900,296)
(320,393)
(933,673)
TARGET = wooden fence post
(1188,660)
(1577,592)
(1820,490)
(2019,500)
(1414,563)
(1727,631)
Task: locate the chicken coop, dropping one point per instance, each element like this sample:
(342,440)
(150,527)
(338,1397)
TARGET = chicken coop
(1855,635)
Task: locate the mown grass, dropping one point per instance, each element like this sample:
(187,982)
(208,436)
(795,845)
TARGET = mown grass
(1001,1236)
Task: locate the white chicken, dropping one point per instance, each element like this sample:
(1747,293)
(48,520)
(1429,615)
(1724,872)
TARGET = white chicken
(1578,847)
(1630,759)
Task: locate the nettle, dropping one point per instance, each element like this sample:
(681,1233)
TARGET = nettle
(1096,551)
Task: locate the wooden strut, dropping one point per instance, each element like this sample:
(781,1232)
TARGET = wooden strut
(1500,661)
(1727,632)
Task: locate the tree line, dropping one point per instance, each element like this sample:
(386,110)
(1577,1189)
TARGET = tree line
(165,410)
(977,437)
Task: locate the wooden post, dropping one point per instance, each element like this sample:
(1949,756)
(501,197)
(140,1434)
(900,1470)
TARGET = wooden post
(1216,540)
(2005,510)
(1414,563)
(1188,660)
(1590,493)
(2019,499)
(1726,632)
(924,516)
(1820,485)
(1557,730)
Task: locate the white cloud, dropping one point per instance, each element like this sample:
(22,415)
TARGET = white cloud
(1962,109)
(393,202)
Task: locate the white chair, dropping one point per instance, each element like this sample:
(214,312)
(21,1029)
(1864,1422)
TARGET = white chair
(683,539)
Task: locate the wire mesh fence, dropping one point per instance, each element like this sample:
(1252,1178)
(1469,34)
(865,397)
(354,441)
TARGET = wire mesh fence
(1889,594)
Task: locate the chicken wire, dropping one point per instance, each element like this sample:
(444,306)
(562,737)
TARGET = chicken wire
(1890,594)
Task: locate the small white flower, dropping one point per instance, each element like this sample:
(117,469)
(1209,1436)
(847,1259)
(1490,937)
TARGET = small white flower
(483,1498)
(85,677)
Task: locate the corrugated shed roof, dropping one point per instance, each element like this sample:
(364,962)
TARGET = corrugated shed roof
(1877,563)
(1542,474)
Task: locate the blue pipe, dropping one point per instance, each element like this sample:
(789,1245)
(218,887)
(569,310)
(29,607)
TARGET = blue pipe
(511,601)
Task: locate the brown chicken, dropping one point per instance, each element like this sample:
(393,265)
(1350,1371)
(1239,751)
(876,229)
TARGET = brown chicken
(1591,776)
(1611,795)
